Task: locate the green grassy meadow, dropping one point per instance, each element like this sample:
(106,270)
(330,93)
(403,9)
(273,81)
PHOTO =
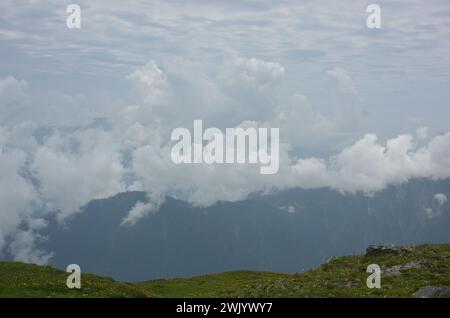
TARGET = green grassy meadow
(340,277)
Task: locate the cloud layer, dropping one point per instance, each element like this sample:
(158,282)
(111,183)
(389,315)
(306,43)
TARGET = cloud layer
(59,169)
(85,114)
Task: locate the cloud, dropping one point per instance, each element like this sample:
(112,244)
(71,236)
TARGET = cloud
(302,125)
(18,220)
(370,166)
(74,169)
(13,99)
(23,248)
(141,209)
(88,114)
(288,209)
(129,149)
(238,89)
(149,81)
(345,103)
(437,208)
(422,132)
(17,195)
(343,82)
(367,166)
(11,89)
(256,72)
(440,199)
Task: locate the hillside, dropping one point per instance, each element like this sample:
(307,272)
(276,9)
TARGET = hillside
(29,280)
(421,271)
(404,273)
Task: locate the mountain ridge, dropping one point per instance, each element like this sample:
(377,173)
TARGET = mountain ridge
(289,231)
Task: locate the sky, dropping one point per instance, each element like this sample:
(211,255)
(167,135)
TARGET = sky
(87,113)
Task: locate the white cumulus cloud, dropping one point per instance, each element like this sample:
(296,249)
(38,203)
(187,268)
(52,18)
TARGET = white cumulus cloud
(141,209)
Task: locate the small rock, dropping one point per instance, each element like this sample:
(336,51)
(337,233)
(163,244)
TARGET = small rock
(348,284)
(330,259)
(374,250)
(391,271)
(431,292)
(396,270)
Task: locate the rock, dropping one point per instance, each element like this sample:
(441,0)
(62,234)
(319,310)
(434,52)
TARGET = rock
(396,270)
(391,271)
(374,250)
(431,292)
(330,259)
(345,283)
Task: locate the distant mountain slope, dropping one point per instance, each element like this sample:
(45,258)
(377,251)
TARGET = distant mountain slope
(419,271)
(285,232)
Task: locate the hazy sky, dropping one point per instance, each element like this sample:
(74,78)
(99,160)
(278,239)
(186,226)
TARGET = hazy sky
(400,71)
(86,113)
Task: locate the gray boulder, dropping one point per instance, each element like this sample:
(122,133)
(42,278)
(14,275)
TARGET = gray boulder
(432,292)
(375,250)
(396,270)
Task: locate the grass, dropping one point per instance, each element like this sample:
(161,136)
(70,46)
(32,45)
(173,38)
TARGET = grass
(215,285)
(342,277)
(29,280)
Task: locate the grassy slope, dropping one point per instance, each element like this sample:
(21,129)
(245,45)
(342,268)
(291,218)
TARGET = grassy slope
(28,280)
(216,285)
(329,280)
(342,277)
